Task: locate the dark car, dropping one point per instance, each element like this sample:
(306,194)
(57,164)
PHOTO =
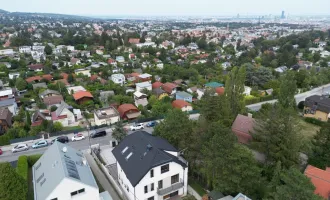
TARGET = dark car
(151,124)
(62,139)
(98,134)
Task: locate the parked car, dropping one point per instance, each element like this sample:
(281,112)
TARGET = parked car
(41,143)
(98,134)
(61,139)
(136,126)
(151,124)
(20,147)
(77,137)
(0,151)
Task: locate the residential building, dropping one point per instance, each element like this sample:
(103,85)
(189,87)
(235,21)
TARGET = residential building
(320,179)
(144,77)
(159,93)
(118,78)
(49,93)
(82,96)
(156,85)
(13,75)
(10,104)
(170,88)
(6,93)
(39,85)
(183,96)
(317,107)
(213,85)
(128,111)
(6,52)
(52,100)
(74,89)
(134,40)
(39,78)
(36,67)
(242,127)
(146,44)
(182,105)
(150,168)
(85,72)
(140,99)
(25,49)
(63,173)
(106,116)
(5,120)
(220,91)
(38,117)
(120,59)
(63,115)
(144,85)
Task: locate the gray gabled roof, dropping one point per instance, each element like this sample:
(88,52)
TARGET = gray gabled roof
(36,114)
(183,94)
(141,159)
(48,91)
(317,102)
(61,107)
(7,102)
(55,165)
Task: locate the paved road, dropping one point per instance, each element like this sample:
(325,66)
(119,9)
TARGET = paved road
(8,156)
(299,97)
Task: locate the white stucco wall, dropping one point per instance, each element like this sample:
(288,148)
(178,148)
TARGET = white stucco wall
(186,108)
(108,121)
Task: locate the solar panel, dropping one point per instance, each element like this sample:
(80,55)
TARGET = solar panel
(72,168)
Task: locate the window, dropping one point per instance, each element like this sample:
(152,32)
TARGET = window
(151,198)
(78,192)
(151,173)
(145,189)
(160,184)
(152,187)
(54,199)
(174,178)
(165,168)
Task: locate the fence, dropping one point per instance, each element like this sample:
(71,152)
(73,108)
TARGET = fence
(194,193)
(18,140)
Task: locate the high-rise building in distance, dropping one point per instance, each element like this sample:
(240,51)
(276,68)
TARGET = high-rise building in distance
(283,15)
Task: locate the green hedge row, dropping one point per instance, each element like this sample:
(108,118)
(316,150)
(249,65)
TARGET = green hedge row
(33,159)
(4,140)
(23,167)
(315,121)
(254,100)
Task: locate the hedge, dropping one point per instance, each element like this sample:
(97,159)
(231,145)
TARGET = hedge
(4,140)
(23,167)
(33,159)
(315,121)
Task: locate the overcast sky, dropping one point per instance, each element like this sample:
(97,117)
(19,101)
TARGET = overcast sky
(170,7)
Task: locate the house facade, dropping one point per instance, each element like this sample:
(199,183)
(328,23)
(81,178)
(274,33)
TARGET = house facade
(140,99)
(85,72)
(144,85)
(317,107)
(152,170)
(184,96)
(118,78)
(5,120)
(106,116)
(182,105)
(63,115)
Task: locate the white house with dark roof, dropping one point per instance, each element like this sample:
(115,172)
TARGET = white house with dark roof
(149,168)
(63,173)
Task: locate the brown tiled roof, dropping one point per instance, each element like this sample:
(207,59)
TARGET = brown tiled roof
(168,87)
(156,85)
(36,66)
(220,90)
(134,41)
(242,127)
(6,115)
(180,103)
(53,100)
(39,78)
(122,109)
(320,179)
(81,94)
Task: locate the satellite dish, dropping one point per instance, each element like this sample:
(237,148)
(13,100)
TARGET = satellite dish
(65,149)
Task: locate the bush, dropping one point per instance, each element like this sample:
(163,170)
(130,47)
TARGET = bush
(301,105)
(33,159)
(251,100)
(4,140)
(23,167)
(315,121)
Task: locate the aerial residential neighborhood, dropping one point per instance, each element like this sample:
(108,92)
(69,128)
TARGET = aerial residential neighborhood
(140,101)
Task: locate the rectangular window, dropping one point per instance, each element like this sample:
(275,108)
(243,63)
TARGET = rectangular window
(165,168)
(81,190)
(152,187)
(174,178)
(74,193)
(151,173)
(151,198)
(78,192)
(54,199)
(160,184)
(145,189)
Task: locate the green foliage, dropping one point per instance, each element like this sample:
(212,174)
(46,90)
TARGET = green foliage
(48,50)
(160,108)
(57,126)
(12,185)
(257,76)
(315,121)
(28,118)
(20,84)
(320,156)
(23,167)
(33,159)
(288,89)
(119,133)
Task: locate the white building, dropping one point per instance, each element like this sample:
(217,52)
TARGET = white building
(146,44)
(85,72)
(247,90)
(149,168)
(10,104)
(13,75)
(63,115)
(74,89)
(140,99)
(63,173)
(118,78)
(6,52)
(106,116)
(24,49)
(144,85)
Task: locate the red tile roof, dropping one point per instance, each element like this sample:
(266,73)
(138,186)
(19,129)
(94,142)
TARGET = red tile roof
(320,179)
(64,75)
(242,127)
(220,90)
(180,103)
(168,87)
(134,41)
(122,109)
(156,85)
(54,117)
(53,100)
(36,66)
(111,61)
(80,94)
(39,78)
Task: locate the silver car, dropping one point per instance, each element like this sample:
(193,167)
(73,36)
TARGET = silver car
(20,147)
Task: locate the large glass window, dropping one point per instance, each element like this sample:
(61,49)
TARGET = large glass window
(174,178)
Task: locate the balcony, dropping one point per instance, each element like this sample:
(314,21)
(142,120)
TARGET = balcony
(170,189)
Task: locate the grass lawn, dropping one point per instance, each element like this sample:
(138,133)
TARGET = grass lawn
(71,128)
(197,187)
(30,185)
(101,189)
(307,130)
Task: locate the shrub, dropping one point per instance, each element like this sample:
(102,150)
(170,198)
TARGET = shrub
(315,121)
(4,140)
(33,159)
(301,105)
(23,167)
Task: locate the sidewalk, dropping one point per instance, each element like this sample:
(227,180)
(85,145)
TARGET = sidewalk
(101,177)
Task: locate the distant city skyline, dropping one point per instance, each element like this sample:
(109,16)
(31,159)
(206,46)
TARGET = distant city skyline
(171,7)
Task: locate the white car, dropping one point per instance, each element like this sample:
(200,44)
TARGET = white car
(78,137)
(136,126)
(20,147)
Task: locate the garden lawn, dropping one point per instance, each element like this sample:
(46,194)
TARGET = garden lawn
(197,187)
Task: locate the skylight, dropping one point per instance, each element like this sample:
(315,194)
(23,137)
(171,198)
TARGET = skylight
(124,150)
(129,155)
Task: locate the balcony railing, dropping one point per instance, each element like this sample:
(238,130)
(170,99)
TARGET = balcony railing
(172,188)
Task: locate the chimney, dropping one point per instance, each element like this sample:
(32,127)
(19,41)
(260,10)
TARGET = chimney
(250,115)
